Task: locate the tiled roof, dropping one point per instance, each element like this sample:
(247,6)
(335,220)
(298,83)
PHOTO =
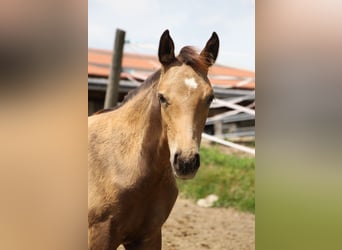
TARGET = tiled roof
(140,66)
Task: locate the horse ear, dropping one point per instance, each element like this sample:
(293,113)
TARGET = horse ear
(166,51)
(210,50)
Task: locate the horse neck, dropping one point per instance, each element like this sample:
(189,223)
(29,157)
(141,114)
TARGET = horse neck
(144,114)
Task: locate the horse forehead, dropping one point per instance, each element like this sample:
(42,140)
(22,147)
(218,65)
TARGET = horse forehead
(185,77)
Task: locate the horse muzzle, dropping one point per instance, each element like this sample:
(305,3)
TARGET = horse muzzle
(186,167)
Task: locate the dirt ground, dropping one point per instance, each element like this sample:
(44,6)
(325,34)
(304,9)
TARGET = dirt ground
(191,227)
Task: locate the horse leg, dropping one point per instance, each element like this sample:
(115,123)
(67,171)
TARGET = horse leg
(99,236)
(150,242)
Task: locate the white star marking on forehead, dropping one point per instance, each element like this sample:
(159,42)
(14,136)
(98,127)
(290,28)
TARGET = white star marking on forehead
(191,83)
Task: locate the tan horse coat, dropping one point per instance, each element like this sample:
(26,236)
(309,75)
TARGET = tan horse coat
(135,151)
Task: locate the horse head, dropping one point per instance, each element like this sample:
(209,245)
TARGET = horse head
(185,93)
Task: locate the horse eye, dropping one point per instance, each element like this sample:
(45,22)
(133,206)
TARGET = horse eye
(210,99)
(162,99)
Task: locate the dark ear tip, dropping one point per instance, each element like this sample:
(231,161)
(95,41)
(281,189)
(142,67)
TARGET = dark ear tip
(214,35)
(166,33)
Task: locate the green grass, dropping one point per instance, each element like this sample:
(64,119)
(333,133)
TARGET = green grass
(231,177)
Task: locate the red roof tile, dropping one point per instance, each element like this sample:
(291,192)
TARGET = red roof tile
(140,66)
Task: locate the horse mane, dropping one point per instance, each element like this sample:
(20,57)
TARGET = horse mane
(190,56)
(146,84)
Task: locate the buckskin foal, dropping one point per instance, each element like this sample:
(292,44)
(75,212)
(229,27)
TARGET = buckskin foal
(135,151)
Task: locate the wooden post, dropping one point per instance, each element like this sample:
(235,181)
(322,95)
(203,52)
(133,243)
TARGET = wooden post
(112,91)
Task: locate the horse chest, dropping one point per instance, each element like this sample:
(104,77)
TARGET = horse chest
(145,210)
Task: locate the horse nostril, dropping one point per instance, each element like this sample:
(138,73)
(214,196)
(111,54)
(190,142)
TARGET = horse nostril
(176,158)
(197,161)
